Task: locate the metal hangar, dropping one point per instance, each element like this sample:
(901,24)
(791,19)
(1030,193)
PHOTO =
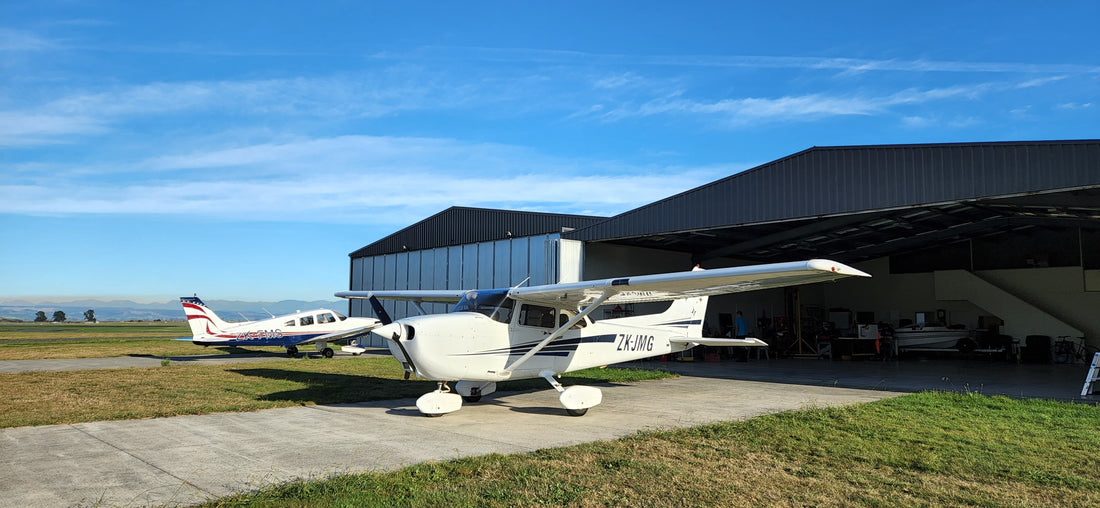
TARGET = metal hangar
(977,235)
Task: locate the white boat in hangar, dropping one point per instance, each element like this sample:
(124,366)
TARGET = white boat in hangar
(933,337)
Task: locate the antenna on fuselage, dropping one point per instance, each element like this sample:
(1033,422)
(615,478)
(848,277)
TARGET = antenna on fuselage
(522,282)
(267,311)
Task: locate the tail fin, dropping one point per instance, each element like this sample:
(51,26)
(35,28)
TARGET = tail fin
(203,321)
(687,313)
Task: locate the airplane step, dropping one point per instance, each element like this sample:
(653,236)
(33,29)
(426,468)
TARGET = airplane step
(1092,377)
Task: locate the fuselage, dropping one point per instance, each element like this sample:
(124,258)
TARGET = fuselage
(474,347)
(287,330)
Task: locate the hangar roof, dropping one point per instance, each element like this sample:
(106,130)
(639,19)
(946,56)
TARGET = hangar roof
(861,202)
(459,225)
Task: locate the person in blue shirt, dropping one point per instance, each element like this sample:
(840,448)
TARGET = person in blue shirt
(740,326)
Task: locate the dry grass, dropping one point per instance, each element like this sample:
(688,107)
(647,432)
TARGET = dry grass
(42,398)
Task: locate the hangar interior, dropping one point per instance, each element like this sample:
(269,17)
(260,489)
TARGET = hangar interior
(1001,240)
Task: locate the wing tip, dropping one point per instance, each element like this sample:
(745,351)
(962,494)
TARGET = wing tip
(828,265)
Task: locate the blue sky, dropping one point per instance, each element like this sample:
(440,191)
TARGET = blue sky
(241,150)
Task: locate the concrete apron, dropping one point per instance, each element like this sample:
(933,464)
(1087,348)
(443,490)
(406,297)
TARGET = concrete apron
(189,459)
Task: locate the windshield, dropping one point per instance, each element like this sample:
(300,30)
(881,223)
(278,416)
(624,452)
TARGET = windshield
(481,301)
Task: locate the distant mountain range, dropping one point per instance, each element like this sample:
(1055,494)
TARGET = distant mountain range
(125,310)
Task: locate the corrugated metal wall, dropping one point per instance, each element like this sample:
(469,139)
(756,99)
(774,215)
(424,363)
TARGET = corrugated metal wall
(461,226)
(502,263)
(828,181)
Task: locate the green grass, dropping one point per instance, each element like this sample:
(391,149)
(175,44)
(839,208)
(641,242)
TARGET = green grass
(54,397)
(927,449)
(43,341)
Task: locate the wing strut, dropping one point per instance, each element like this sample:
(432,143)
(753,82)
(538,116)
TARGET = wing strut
(557,333)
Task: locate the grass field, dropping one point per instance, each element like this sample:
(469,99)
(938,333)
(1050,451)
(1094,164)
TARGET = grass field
(45,341)
(52,397)
(927,449)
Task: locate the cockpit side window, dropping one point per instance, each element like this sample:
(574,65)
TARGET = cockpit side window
(306,320)
(326,318)
(536,315)
(566,315)
(503,313)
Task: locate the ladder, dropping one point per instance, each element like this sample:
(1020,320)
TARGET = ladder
(1092,377)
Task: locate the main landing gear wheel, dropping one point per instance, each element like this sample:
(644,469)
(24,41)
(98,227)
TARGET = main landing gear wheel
(471,398)
(292,351)
(576,412)
(327,352)
(966,346)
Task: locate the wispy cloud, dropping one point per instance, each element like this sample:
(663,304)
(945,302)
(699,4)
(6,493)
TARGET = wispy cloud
(21,41)
(788,108)
(30,129)
(355,179)
(842,64)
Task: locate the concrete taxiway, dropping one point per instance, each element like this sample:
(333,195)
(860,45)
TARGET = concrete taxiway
(189,459)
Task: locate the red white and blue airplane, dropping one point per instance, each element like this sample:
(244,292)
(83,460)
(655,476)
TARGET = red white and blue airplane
(495,335)
(289,331)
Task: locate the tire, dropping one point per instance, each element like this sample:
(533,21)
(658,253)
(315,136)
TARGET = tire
(292,351)
(966,346)
(576,412)
(327,352)
(471,398)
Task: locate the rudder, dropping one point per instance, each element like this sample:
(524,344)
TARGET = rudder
(202,320)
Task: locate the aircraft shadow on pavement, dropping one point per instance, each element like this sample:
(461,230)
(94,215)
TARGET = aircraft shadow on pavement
(327,388)
(489,400)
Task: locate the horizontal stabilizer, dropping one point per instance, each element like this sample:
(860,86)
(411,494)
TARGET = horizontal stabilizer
(718,341)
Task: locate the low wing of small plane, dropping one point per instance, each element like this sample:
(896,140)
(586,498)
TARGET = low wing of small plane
(318,327)
(544,331)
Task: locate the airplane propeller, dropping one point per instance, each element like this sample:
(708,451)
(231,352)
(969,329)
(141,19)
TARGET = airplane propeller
(379,311)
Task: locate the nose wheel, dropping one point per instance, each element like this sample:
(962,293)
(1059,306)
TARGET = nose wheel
(439,402)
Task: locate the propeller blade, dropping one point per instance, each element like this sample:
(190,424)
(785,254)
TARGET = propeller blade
(379,311)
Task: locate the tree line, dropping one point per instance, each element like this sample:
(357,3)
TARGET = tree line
(59,316)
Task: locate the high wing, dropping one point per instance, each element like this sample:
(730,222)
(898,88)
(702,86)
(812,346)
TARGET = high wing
(411,295)
(671,286)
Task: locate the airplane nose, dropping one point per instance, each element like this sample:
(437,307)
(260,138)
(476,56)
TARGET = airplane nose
(388,332)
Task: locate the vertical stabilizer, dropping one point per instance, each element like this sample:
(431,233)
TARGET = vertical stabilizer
(687,314)
(203,321)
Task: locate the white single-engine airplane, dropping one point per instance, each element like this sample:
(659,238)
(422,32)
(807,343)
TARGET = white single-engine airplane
(289,331)
(544,331)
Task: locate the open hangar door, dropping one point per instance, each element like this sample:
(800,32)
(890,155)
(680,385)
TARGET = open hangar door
(1011,276)
(1000,233)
